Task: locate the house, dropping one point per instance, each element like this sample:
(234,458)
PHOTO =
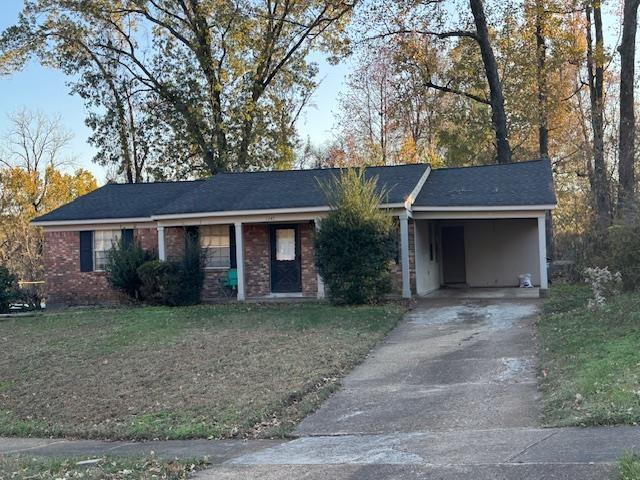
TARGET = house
(473,226)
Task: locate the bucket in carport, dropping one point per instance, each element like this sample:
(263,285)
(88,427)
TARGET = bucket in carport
(525,280)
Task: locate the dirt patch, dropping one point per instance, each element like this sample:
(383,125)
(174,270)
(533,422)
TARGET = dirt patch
(214,372)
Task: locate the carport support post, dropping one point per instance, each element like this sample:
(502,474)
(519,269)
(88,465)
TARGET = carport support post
(240,261)
(542,247)
(404,255)
(162,252)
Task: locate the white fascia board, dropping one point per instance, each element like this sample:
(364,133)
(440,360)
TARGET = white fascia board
(247,213)
(503,208)
(416,191)
(240,213)
(93,221)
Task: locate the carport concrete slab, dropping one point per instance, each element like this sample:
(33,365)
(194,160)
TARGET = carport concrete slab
(411,472)
(448,365)
(485,293)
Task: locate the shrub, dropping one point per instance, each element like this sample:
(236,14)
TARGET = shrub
(155,281)
(357,241)
(603,284)
(8,289)
(174,284)
(123,261)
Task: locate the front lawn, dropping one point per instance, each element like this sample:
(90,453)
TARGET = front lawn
(590,359)
(629,467)
(196,372)
(103,469)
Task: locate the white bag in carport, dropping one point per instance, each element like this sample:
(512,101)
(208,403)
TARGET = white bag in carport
(525,280)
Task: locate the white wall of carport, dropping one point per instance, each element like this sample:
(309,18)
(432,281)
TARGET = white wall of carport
(427,270)
(497,251)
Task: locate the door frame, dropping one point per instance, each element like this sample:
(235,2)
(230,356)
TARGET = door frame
(272,254)
(442,247)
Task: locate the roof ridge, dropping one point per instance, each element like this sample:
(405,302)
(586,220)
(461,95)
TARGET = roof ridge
(157,182)
(323,169)
(492,164)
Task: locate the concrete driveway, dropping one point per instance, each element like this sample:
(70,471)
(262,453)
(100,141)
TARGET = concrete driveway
(450,394)
(451,364)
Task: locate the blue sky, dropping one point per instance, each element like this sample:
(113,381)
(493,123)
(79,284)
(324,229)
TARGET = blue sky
(44,89)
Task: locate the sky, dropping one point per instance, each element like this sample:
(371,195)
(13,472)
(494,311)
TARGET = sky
(43,89)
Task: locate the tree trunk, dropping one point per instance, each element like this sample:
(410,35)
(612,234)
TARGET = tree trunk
(595,67)
(626,189)
(541,82)
(498,115)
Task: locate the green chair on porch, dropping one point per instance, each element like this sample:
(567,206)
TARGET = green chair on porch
(229,282)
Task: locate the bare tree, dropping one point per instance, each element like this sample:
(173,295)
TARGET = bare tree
(35,143)
(626,145)
(595,70)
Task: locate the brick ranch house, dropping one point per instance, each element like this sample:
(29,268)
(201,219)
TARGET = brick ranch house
(471,227)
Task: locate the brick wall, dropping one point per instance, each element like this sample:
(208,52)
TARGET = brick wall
(148,238)
(174,243)
(65,283)
(307,252)
(257,258)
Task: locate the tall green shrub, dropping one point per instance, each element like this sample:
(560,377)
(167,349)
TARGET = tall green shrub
(123,261)
(356,242)
(8,289)
(190,275)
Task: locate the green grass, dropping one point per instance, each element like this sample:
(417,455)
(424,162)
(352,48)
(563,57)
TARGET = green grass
(590,359)
(109,468)
(194,372)
(629,467)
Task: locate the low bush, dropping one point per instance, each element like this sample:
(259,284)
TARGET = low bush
(357,241)
(8,289)
(123,262)
(155,281)
(174,284)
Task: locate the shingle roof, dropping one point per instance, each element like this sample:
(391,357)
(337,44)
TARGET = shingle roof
(121,200)
(284,189)
(511,184)
(526,183)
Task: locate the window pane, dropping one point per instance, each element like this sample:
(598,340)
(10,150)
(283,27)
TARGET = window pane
(217,257)
(286,244)
(103,241)
(214,236)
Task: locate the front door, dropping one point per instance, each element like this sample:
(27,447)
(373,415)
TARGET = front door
(453,258)
(285,259)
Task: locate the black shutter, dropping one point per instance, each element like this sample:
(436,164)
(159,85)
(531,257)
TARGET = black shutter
(232,246)
(127,237)
(86,251)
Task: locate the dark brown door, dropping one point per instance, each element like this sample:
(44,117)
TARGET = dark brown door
(453,259)
(285,259)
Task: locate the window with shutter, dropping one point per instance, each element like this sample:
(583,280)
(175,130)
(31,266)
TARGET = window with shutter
(103,241)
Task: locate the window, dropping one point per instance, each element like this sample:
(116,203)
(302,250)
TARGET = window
(103,240)
(215,243)
(286,244)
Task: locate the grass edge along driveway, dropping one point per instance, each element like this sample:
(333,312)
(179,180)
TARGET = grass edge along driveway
(215,371)
(590,359)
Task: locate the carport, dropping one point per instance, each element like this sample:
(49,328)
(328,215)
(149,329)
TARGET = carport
(482,227)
